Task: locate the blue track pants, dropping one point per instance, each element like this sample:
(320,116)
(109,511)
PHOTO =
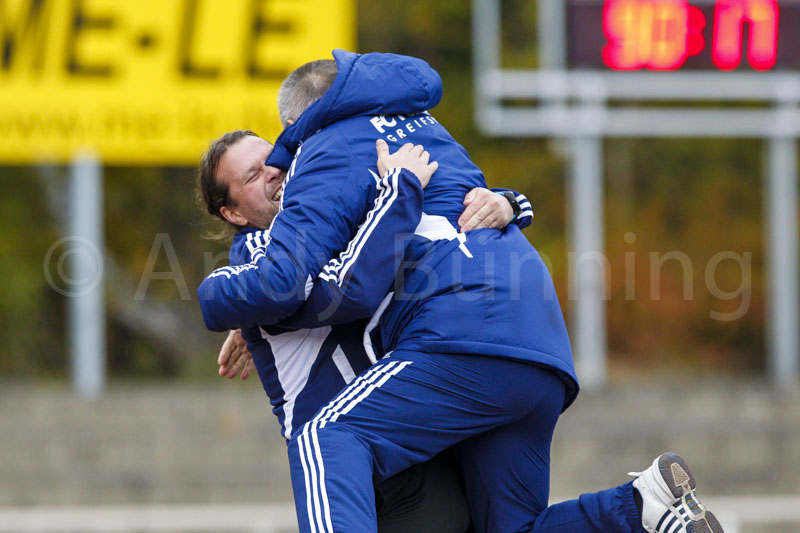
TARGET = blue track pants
(498,415)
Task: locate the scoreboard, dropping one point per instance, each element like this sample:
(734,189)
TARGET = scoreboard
(669,35)
(653,69)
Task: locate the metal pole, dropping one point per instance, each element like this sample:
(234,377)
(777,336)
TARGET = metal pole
(87,290)
(551,26)
(586,199)
(782,314)
(485,50)
(485,35)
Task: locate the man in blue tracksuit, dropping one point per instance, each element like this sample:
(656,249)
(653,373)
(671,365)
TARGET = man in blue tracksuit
(478,356)
(303,369)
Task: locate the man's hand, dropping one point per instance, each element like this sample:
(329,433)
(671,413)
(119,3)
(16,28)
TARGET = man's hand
(485,209)
(409,157)
(234,356)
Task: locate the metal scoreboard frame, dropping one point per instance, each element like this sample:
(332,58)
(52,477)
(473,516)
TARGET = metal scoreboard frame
(583,106)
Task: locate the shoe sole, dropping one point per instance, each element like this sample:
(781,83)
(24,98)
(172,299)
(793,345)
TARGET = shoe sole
(676,473)
(679,479)
(708,524)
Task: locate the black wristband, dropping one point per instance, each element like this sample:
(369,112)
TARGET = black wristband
(512,199)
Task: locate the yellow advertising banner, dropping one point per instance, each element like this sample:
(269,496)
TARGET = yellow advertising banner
(151,82)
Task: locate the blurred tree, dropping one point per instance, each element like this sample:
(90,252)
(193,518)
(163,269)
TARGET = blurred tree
(699,198)
(32,325)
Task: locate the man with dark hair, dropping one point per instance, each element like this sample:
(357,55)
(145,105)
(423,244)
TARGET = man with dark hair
(237,187)
(470,362)
(257,189)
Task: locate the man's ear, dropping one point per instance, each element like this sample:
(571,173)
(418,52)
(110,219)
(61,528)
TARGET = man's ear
(232,215)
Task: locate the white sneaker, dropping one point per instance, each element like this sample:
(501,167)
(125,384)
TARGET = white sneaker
(669,502)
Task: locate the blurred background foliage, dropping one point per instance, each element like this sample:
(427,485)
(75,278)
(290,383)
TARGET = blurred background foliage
(697,197)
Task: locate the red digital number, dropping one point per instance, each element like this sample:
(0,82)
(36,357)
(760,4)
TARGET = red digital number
(729,19)
(662,34)
(653,34)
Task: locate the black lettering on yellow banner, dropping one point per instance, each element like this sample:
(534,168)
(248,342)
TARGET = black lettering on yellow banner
(23,34)
(83,22)
(260,28)
(151,82)
(189,67)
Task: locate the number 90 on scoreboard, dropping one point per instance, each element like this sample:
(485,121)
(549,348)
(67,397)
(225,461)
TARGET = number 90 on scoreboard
(669,35)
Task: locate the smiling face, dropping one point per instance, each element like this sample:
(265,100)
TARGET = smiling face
(254,189)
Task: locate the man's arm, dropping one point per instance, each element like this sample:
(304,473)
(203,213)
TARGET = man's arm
(315,312)
(280,277)
(351,286)
(338,299)
(243,296)
(324,200)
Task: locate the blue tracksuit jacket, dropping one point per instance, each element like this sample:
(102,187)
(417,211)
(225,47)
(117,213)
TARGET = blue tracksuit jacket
(486,292)
(301,369)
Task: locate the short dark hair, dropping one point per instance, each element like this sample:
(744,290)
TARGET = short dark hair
(213,193)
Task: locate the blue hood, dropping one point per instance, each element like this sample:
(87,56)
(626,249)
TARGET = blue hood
(368,84)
